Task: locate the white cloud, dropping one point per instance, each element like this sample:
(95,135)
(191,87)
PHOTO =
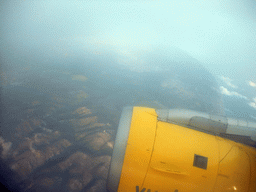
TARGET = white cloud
(225,91)
(253,104)
(228,81)
(252,84)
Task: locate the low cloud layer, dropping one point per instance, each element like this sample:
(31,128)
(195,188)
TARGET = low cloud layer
(253,104)
(225,91)
(228,81)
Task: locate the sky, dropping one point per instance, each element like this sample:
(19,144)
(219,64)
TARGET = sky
(218,33)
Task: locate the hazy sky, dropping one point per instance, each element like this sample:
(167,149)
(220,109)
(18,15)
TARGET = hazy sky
(219,33)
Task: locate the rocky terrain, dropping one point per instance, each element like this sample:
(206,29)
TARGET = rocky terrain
(46,160)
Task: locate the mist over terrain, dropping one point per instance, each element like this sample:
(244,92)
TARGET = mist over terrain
(68,68)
